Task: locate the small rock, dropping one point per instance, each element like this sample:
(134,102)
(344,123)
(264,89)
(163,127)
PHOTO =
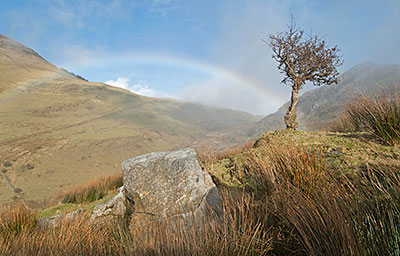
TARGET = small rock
(49,222)
(73,215)
(336,152)
(56,220)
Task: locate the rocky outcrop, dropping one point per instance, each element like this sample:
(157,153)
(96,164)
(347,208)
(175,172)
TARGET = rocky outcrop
(162,184)
(120,205)
(168,184)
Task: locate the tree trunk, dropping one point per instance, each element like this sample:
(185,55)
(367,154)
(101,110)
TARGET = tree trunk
(290,116)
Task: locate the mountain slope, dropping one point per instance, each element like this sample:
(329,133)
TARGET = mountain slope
(19,64)
(319,107)
(57,131)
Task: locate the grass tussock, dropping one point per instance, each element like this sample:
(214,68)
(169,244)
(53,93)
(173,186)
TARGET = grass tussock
(315,211)
(271,168)
(16,221)
(93,190)
(379,114)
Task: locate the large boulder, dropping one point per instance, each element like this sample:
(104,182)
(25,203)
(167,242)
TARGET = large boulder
(167,184)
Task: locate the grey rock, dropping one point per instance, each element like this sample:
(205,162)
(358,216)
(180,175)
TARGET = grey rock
(49,222)
(119,205)
(56,220)
(73,215)
(336,152)
(165,184)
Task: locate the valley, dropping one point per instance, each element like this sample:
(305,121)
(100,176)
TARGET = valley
(58,131)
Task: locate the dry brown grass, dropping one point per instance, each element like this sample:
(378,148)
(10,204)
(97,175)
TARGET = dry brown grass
(379,114)
(92,190)
(277,165)
(314,211)
(293,205)
(240,231)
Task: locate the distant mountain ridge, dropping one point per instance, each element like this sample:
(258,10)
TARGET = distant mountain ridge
(317,108)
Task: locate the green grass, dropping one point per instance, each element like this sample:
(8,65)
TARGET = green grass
(320,202)
(63,208)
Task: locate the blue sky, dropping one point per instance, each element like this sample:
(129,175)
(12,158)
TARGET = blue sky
(205,51)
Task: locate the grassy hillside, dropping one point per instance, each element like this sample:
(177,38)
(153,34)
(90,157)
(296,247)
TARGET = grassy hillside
(57,131)
(19,64)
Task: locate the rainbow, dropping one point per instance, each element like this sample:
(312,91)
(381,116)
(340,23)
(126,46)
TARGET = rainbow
(220,73)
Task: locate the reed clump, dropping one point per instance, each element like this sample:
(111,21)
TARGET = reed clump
(378,114)
(93,190)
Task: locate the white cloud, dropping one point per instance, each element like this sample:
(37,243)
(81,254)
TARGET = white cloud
(139,87)
(65,15)
(121,82)
(143,89)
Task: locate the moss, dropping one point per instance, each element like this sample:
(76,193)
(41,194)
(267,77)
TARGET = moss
(53,210)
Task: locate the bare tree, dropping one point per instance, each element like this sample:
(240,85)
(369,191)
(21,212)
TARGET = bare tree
(303,58)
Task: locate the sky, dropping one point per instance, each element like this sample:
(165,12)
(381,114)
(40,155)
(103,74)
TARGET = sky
(204,51)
